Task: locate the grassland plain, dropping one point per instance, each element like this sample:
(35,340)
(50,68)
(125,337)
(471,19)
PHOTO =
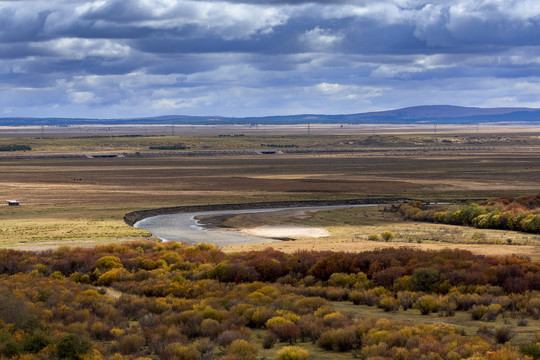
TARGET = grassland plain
(351,230)
(82,201)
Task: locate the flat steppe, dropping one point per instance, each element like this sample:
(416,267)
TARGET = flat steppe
(82,201)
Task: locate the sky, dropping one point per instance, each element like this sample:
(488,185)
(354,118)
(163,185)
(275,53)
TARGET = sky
(137,58)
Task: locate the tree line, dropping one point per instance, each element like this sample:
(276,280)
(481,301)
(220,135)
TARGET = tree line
(519,214)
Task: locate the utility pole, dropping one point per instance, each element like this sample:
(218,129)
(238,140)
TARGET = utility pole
(308,129)
(42,131)
(435,128)
(172,130)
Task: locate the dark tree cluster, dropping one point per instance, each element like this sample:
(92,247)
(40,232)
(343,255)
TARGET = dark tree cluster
(15,148)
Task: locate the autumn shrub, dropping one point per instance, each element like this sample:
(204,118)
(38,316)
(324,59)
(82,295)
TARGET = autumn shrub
(406,299)
(387,235)
(242,349)
(356,297)
(426,304)
(184,352)
(113,275)
(478,312)
(425,279)
(493,311)
(336,294)
(389,304)
(387,277)
(251,315)
(228,336)
(342,280)
(287,332)
(335,320)
(276,321)
(210,328)
(80,278)
(34,343)
(10,348)
(466,301)
(372,297)
(269,339)
(309,304)
(130,343)
(292,353)
(108,262)
(373,237)
(532,350)
(72,347)
(168,308)
(311,327)
(379,351)
(339,339)
(447,306)
(503,334)
(533,308)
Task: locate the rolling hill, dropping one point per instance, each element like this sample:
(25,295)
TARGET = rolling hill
(440,114)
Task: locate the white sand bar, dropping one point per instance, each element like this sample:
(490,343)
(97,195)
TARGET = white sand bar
(287,231)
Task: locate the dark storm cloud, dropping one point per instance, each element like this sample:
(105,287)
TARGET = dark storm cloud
(247,57)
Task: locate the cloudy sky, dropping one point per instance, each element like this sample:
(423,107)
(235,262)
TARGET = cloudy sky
(125,58)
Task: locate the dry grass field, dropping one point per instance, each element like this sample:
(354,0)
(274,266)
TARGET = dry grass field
(82,201)
(350,230)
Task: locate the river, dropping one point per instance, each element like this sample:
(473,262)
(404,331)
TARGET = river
(183,227)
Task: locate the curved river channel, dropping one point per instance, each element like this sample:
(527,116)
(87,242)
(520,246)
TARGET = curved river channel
(183,227)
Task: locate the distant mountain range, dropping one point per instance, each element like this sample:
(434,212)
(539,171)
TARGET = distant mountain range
(440,114)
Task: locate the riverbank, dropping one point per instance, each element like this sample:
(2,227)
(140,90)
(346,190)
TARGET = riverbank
(136,216)
(184,227)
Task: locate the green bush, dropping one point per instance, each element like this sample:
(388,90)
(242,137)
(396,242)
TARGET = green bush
(10,348)
(425,279)
(532,350)
(72,347)
(15,148)
(35,342)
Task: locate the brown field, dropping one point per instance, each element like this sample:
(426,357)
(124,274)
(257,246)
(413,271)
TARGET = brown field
(82,201)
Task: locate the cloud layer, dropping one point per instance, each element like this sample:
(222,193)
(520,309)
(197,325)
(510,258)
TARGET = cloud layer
(118,58)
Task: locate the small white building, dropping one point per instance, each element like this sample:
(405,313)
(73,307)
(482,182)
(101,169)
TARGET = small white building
(13,203)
